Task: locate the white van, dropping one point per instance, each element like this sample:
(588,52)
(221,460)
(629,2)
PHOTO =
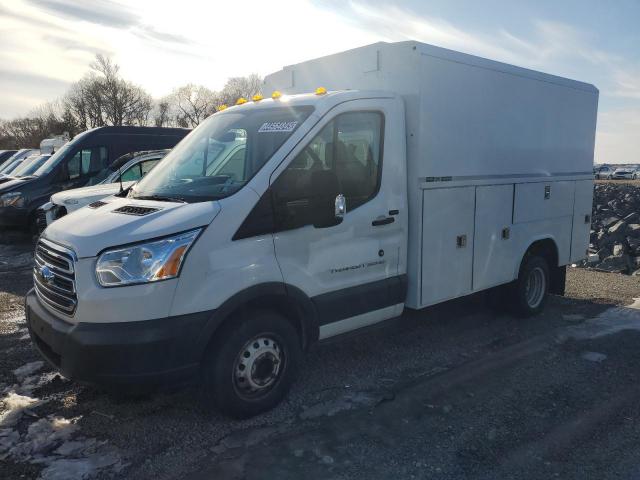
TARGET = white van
(420,176)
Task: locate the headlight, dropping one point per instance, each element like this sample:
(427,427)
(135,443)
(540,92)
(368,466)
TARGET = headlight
(145,262)
(12,199)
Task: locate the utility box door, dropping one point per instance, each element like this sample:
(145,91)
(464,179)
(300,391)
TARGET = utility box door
(583,204)
(447,243)
(493,258)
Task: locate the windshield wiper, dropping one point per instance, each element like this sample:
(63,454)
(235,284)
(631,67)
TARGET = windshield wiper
(160,198)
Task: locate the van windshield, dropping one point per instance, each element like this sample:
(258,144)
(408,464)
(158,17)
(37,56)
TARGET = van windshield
(220,156)
(59,155)
(53,160)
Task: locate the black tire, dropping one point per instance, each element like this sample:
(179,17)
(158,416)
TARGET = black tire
(269,340)
(528,299)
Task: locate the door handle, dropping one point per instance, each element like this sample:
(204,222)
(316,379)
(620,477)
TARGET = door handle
(383,221)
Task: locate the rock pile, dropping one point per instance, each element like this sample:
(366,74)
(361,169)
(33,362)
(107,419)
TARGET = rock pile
(615,229)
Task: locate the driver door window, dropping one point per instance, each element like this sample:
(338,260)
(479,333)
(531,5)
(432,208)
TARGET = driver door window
(86,162)
(132,174)
(349,149)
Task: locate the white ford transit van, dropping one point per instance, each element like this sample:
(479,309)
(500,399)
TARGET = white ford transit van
(420,175)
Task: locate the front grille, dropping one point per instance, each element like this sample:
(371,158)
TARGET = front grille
(41,220)
(135,210)
(54,276)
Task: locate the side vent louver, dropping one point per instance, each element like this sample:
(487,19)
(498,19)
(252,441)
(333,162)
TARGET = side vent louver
(97,204)
(135,210)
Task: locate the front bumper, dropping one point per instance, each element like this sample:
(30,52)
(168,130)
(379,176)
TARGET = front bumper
(14,217)
(135,355)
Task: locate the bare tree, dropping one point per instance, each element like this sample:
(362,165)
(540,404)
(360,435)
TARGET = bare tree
(162,116)
(123,103)
(102,97)
(237,87)
(191,104)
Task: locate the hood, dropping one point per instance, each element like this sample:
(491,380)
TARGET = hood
(88,231)
(86,195)
(14,184)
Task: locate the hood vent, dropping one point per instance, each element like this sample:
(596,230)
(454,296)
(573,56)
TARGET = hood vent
(135,210)
(97,204)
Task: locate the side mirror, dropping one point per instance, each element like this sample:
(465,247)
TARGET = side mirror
(340,207)
(329,211)
(323,199)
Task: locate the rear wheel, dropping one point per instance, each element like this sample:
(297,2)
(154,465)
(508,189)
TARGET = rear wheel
(531,288)
(252,364)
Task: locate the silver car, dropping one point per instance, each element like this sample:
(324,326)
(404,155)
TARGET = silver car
(625,173)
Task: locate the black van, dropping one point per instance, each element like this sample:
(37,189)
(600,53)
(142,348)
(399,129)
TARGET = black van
(74,165)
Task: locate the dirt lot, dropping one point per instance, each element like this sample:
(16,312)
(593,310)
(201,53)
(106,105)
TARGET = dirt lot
(455,391)
(626,182)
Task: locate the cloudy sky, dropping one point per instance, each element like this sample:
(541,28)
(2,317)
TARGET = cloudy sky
(47,44)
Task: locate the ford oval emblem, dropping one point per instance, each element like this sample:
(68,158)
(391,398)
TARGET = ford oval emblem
(47,275)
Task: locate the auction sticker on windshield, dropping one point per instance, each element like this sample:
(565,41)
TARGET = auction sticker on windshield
(268,127)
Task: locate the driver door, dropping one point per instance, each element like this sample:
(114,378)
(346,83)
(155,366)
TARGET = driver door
(348,265)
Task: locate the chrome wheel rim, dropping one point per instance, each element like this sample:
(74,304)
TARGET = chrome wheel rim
(258,366)
(535,287)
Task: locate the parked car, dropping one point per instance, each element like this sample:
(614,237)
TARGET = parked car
(122,173)
(603,172)
(74,165)
(30,165)
(5,154)
(339,209)
(625,173)
(12,162)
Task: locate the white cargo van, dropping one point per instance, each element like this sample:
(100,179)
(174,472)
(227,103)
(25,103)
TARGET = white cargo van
(420,176)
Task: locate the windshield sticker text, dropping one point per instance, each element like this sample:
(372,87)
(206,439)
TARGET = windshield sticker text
(270,127)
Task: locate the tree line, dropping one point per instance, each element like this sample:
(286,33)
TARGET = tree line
(102,97)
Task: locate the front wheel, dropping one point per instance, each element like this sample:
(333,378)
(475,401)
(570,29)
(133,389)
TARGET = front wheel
(252,364)
(531,288)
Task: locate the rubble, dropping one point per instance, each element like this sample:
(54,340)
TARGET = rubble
(615,229)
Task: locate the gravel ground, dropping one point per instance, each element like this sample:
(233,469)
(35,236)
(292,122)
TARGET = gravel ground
(601,287)
(615,182)
(456,391)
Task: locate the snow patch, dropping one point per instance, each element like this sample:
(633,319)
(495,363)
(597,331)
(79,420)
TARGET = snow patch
(635,304)
(54,442)
(14,407)
(49,442)
(27,370)
(594,356)
(609,322)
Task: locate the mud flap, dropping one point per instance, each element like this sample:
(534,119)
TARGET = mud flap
(558,279)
